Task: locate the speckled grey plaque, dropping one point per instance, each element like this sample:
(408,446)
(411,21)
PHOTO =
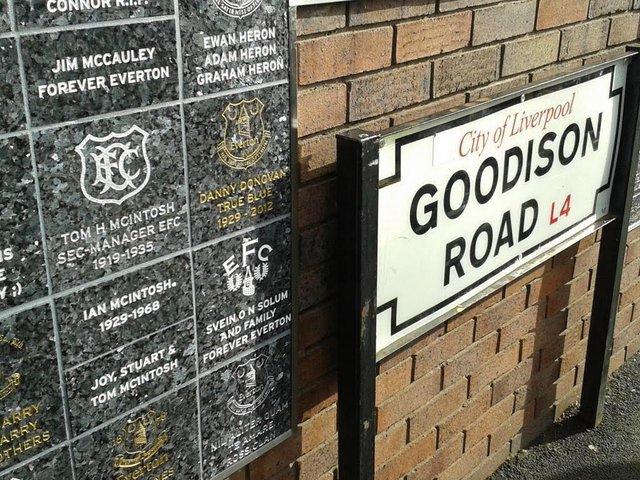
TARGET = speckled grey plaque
(5,24)
(146,298)
(67,80)
(159,441)
(55,465)
(249,401)
(230,44)
(30,397)
(113,194)
(12,116)
(243,292)
(22,273)
(100,319)
(45,13)
(242,176)
(118,382)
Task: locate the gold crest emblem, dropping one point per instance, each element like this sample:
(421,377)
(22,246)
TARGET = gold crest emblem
(140,439)
(14,380)
(245,138)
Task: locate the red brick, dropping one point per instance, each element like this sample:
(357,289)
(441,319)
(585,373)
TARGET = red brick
(630,295)
(342,54)
(556,277)
(393,380)
(553,13)
(411,349)
(497,88)
(487,422)
(524,280)
(502,21)
(389,90)
(604,7)
(633,250)
(512,380)
(443,457)
(617,360)
(317,285)
(624,28)
(530,52)
(604,56)
(493,318)
(320,18)
(316,203)
(580,309)
(274,461)
(491,463)
(633,347)
(586,259)
(568,294)
(239,475)
(432,36)
(374,11)
(321,108)
(427,109)
(522,324)
(443,349)
(503,362)
(316,324)
(408,457)
(318,461)
(623,319)
(408,400)
(318,244)
(390,442)
(317,362)
(467,361)
(460,71)
(315,399)
(318,429)
(504,432)
(461,418)
(573,357)
(466,463)
(438,408)
(556,70)
(564,403)
(448,5)
(584,38)
(630,274)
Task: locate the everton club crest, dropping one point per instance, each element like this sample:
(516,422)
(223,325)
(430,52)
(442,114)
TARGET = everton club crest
(115,167)
(10,383)
(140,440)
(237,8)
(253,383)
(245,137)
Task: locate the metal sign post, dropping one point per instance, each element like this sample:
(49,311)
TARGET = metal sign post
(611,257)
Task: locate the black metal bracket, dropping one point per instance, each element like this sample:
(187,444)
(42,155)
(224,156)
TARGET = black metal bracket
(611,256)
(357,219)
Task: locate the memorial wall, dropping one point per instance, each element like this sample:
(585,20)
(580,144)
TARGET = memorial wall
(145,237)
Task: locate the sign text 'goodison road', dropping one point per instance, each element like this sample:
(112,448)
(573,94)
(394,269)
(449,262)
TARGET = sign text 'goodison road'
(463,203)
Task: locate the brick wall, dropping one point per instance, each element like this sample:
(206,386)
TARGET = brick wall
(461,399)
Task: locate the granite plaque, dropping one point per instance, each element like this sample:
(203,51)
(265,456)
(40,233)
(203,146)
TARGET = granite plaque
(145,237)
(22,272)
(228,44)
(251,401)
(81,73)
(30,396)
(244,295)
(54,465)
(112,195)
(242,177)
(159,441)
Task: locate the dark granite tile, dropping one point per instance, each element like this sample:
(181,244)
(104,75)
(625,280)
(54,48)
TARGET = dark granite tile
(12,116)
(109,181)
(100,319)
(49,13)
(145,72)
(30,400)
(225,47)
(158,442)
(245,405)
(55,465)
(22,270)
(5,21)
(241,175)
(106,387)
(243,292)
